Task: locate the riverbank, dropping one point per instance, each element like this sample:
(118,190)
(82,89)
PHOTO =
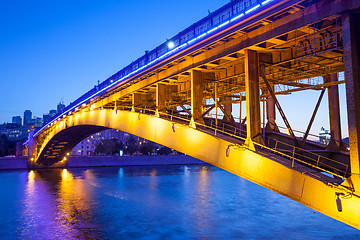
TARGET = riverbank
(13,163)
(112,161)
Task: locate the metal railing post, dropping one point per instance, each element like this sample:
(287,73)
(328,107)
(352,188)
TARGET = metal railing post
(293,158)
(317,163)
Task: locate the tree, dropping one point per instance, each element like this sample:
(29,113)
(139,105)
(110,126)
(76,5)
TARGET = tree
(4,145)
(147,148)
(119,146)
(164,151)
(99,149)
(109,147)
(131,145)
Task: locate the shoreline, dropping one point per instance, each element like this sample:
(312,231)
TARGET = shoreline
(21,163)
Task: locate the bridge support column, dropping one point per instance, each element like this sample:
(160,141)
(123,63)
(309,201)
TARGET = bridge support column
(163,94)
(31,149)
(351,45)
(227,107)
(160,98)
(197,86)
(136,101)
(253,117)
(334,114)
(270,113)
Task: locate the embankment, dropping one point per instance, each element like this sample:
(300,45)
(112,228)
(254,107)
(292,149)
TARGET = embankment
(95,161)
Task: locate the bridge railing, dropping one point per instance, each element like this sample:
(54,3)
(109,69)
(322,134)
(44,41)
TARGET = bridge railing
(288,151)
(301,134)
(297,154)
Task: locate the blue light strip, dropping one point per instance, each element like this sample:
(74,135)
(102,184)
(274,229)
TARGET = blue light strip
(252,9)
(182,46)
(266,2)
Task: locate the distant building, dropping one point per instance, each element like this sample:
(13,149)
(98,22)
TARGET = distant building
(87,146)
(16,134)
(37,122)
(60,107)
(324,136)
(13,131)
(52,112)
(49,116)
(17,120)
(27,117)
(46,118)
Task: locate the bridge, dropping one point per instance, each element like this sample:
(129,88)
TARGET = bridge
(247,51)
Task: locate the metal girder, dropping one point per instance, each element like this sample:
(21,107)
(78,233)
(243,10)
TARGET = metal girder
(312,118)
(269,31)
(279,107)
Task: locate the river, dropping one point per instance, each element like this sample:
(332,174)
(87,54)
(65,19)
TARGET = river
(153,202)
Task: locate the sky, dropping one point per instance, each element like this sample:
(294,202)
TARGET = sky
(52,51)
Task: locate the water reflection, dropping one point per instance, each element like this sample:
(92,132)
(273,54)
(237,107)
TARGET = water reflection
(56,206)
(202,212)
(160,202)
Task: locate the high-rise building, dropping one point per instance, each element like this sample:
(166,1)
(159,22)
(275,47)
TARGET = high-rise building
(52,112)
(27,117)
(46,118)
(17,120)
(60,107)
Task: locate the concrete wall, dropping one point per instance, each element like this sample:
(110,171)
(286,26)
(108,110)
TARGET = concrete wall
(13,163)
(21,162)
(130,161)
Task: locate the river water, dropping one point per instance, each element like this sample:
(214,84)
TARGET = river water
(153,202)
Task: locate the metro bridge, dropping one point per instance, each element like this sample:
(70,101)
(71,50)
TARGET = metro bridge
(247,51)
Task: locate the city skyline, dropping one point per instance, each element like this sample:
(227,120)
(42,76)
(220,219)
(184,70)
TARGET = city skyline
(48,56)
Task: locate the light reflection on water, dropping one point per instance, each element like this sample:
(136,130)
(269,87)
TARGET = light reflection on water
(162,202)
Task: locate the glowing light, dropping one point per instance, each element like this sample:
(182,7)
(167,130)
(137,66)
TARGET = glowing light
(171,44)
(252,9)
(237,17)
(266,2)
(31,175)
(66,175)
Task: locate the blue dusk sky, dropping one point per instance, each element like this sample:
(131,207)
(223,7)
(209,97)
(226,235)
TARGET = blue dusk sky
(57,50)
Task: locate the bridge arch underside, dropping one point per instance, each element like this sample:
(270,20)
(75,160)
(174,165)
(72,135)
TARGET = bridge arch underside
(64,141)
(297,182)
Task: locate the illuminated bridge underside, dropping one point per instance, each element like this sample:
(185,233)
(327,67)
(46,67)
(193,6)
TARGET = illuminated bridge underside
(270,51)
(299,183)
(64,141)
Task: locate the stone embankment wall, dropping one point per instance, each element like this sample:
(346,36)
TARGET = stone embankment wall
(21,162)
(8,163)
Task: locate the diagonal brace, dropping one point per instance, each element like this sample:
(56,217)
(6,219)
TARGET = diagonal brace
(278,107)
(312,118)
